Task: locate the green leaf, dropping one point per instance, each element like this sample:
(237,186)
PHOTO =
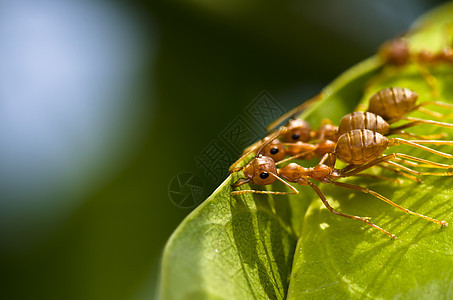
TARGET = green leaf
(276,247)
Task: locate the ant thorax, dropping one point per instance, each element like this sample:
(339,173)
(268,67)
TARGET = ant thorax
(296,173)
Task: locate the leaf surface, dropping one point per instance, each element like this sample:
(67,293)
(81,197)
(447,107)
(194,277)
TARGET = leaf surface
(260,246)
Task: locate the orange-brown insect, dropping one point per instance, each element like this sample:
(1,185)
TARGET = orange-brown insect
(277,150)
(393,103)
(300,131)
(297,130)
(370,141)
(293,112)
(396,52)
(294,142)
(373,122)
(361,148)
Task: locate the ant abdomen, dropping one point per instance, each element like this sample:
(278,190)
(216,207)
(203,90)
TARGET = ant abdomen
(392,103)
(363,120)
(360,146)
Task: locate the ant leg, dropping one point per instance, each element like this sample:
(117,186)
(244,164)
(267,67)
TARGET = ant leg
(409,163)
(379,196)
(430,80)
(425,163)
(397,171)
(416,136)
(294,111)
(415,143)
(324,158)
(430,112)
(331,209)
(350,170)
(253,147)
(432,142)
(424,110)
(294,156)
(430,164)
(322,131)
(396,180)
(331,159)
(234,168)
(261,192)
(417,173)
(294,192)
(417,121)
(438,103)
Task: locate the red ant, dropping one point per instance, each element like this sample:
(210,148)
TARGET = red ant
(361,148)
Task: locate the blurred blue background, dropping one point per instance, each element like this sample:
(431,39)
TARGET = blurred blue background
(103,103)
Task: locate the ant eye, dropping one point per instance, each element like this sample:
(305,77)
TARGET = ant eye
(296,136)
(274,151)
(264,175)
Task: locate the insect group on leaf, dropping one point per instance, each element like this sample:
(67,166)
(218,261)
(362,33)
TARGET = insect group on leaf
(359,141)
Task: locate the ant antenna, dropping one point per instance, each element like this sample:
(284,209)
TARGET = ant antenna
(272,137)
(293,112)
(243,180)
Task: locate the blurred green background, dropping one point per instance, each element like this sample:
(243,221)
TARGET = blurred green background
(104,103)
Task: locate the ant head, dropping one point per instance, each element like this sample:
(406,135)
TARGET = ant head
(395,52)
(275,150)
(297,130)
(261,170)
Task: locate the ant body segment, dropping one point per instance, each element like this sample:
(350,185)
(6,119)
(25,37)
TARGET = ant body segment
(361,148)
(396,53)
(395,102)
(389,104)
